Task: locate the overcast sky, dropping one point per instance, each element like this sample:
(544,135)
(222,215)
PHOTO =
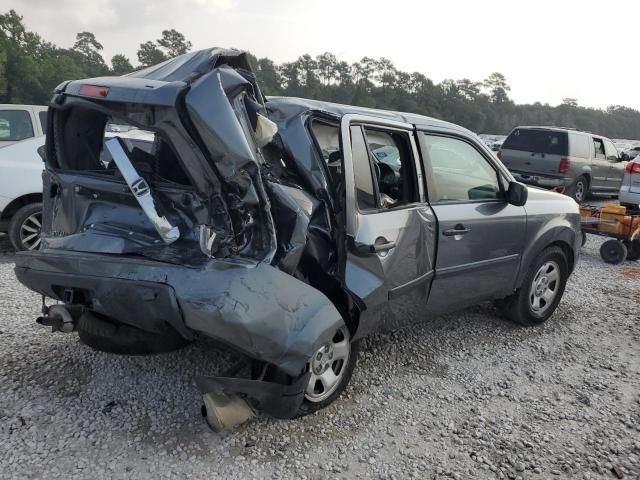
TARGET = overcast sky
(548,50)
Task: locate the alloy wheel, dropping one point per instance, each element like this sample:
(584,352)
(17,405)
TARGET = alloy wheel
(579,193)
(30,231)
(328,367)
(544,288)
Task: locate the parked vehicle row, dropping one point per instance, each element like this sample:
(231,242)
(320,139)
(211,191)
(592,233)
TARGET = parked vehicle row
(286,228)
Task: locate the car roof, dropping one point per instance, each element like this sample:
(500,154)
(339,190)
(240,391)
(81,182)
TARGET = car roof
(561,129)
(291,106)
(13,106)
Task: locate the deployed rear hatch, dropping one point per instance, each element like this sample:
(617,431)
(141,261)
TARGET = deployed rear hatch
(536,151)
(188,190)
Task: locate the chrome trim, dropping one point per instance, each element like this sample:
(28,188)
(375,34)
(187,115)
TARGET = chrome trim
(141,191)
(447,271)
(406,287)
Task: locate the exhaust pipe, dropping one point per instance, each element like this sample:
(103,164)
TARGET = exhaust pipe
(58,317)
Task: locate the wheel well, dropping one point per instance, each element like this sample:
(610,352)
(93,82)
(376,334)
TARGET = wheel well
(17,203)
(568,251)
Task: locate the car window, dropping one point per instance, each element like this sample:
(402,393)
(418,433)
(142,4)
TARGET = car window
(598,147)
(42,115)
(393,167)
(578,145)
(15,125)
(328,138)
(537,141)
(456,171)
(611,151)
(365,194)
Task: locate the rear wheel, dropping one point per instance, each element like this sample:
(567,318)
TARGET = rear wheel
(541,291)
(579,190)
(25,227)
(331,368)
(613,252)
(100,334)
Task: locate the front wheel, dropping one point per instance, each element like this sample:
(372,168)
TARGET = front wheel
(331,368)
(541,291)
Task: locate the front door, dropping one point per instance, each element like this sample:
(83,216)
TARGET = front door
(600,166)
(480,236)
(616,166)
(390,227)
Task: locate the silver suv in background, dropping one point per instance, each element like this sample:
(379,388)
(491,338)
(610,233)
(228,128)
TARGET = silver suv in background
(567,160)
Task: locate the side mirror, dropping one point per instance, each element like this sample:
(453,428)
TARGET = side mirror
(517,194)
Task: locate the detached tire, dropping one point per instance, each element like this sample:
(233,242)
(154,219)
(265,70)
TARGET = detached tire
(100,334)
(613,252)
(541,290)
(25,226)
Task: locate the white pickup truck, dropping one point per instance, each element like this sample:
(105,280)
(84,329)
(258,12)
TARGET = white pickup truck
(20,122)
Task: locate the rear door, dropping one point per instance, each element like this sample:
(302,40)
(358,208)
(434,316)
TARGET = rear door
(480,236)
(391,229)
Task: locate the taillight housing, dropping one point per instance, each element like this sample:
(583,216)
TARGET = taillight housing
(94,91)
(565,163)
(632,167)
(499,155)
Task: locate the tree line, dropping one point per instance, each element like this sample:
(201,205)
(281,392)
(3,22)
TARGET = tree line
(31,67)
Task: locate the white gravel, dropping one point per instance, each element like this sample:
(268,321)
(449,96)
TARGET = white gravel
(461,396)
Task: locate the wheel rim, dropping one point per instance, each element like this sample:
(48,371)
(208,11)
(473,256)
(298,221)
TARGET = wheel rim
(328,367)
(579,191)
(544,288)
(30,231)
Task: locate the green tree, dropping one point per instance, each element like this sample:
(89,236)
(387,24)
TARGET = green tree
(498,87)
(89,51)
(149,54)
(120,65)
(174,43)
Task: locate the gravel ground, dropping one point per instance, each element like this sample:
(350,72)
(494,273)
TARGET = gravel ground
(460,396)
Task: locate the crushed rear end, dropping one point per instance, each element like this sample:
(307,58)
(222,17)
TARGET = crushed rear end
(193,232)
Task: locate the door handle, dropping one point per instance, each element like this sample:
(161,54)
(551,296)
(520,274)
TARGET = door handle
(457,230)
(380,245)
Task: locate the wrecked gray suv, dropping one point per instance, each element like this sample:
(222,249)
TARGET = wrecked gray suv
(285,228)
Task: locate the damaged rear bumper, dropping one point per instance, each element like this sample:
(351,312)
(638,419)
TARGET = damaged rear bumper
(255,308)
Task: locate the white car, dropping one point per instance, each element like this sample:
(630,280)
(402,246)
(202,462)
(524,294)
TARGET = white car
(21,187)
(20,122)
(21,192)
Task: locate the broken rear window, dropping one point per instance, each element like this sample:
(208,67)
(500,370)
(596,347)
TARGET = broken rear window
(80,134)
